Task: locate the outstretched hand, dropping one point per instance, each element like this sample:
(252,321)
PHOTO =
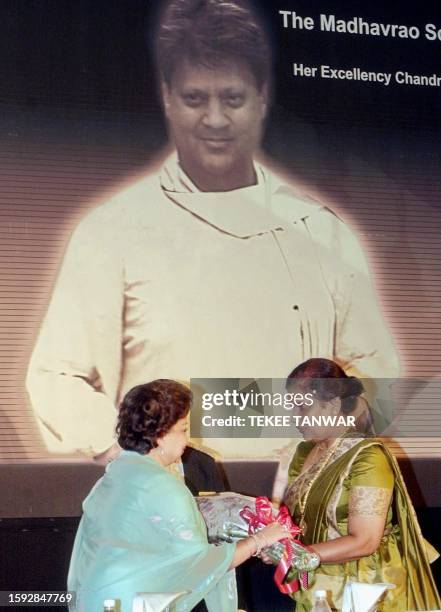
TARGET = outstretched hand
(266,558)
(274,532)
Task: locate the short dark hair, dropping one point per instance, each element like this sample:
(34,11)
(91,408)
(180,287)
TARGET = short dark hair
(327,380)
(212,33)
(149,411)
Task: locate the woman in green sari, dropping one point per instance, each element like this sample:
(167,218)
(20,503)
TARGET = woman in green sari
(141,530)
(348,495)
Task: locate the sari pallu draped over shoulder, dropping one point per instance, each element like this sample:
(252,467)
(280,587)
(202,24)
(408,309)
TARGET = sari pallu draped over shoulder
(404,545)
(140,532)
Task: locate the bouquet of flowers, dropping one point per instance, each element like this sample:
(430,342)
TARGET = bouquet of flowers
(230,517)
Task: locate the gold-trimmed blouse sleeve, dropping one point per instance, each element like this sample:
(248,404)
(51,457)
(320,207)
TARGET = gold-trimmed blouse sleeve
(371,483)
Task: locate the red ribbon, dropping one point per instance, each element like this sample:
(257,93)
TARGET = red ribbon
(262,516)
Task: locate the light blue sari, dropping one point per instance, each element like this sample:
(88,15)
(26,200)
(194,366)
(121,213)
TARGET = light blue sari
(141,531)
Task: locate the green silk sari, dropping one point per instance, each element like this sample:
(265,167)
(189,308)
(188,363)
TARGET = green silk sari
(401,558)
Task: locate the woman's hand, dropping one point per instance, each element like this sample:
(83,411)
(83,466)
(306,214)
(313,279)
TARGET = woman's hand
(256,542)
(272,533)
(266,558)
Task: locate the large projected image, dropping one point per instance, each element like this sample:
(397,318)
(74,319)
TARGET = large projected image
(219,290)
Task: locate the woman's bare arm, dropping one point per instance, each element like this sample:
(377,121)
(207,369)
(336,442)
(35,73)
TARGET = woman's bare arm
(368,507)
(249,546)
(363,539)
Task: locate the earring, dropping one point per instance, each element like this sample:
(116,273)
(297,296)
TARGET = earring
(161,452)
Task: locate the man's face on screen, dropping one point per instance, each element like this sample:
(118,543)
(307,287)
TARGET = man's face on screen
(215,117)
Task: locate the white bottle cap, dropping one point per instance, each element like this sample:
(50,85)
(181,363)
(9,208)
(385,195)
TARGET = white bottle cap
(109,603)
(138,604)
(320,593)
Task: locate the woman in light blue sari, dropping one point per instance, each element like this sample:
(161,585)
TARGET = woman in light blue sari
(141,530)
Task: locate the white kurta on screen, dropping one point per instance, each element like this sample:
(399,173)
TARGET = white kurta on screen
(165,281)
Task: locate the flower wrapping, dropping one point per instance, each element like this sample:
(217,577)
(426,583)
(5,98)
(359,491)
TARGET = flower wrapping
(222,517)
(231,517)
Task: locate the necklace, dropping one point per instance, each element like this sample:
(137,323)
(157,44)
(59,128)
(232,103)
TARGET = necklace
(304,495)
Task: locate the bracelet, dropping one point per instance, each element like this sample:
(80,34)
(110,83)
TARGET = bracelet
(307,563)
(316,560)
(260,543)
(256,540)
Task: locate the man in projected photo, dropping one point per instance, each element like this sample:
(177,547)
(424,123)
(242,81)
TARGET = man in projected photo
(211,267)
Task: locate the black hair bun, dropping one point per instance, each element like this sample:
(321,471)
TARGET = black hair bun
(353,387)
